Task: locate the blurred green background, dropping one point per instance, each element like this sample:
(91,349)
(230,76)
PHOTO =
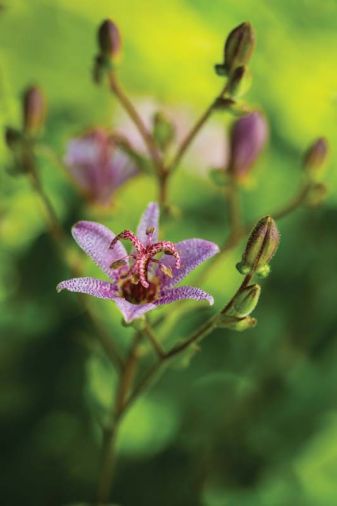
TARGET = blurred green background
(253,419)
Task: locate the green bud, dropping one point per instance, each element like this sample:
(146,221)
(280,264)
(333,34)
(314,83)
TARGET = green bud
(238,324)
(163,131)
(240,81)
(315,157)
(246,301)
(34,110)
(261,247)
(109,40)
(239,47)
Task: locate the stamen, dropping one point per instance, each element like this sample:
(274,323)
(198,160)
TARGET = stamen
(130,236)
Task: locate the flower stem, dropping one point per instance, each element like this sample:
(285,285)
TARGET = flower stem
(148,332)
(111,430)
(194,132)
(127,105)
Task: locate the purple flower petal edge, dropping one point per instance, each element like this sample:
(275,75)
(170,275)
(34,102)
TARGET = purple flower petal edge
(95,240)
(192,253)
(150,218)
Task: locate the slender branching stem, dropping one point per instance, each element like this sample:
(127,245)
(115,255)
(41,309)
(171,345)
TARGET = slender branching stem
(149,333)
(132,112)
(191,135)
(203,331)
(110,431)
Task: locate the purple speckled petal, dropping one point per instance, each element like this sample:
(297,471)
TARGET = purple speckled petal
(105,290)
(192,253)
(133,311)
(150,218)
(184,292)
(90,286)
(95,240)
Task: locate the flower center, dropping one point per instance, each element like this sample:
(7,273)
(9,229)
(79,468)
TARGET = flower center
(142,256)
(137,293)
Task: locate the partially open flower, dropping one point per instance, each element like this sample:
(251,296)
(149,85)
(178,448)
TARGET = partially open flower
(247,139)
(98,165)
(146,277)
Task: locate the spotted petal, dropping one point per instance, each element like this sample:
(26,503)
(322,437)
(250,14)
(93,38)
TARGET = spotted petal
(149,219)
(184,292)
(90,286)
(133,311)
(192,253)
(95,240)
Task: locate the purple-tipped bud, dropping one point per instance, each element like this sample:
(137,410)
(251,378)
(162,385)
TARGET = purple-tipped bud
(316,156)
(261,247)
(247,139)
(109,39)
(34,110)
(239,47)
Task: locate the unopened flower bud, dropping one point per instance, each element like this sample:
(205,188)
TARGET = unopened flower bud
(239,82)
(34,110)
(163,131)
(316,156)
(261,247)
(247,139)
(246,301)
(109,39)
(238,324)
(239,47)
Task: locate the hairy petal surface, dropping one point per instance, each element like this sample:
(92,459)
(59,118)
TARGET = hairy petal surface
(90,286)
(192,253)
(184,292)
(95,240)
(149,219)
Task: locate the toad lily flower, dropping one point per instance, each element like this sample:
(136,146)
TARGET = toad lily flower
(98,165)
(146,277)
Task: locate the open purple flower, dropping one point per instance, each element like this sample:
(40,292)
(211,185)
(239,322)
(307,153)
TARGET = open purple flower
(146,277)
(98,165)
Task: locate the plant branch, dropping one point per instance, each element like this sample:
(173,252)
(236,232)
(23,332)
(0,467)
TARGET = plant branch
(111,430)
(194,131)
(127,105)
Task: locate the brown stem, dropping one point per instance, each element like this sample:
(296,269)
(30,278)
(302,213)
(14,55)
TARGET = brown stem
(111,430)
(138,122)
(148,332)
(194,132)
(55,228)
(163,180)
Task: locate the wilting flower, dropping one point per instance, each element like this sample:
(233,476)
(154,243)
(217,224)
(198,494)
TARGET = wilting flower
(247,139)
(139,281)
(98,165)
